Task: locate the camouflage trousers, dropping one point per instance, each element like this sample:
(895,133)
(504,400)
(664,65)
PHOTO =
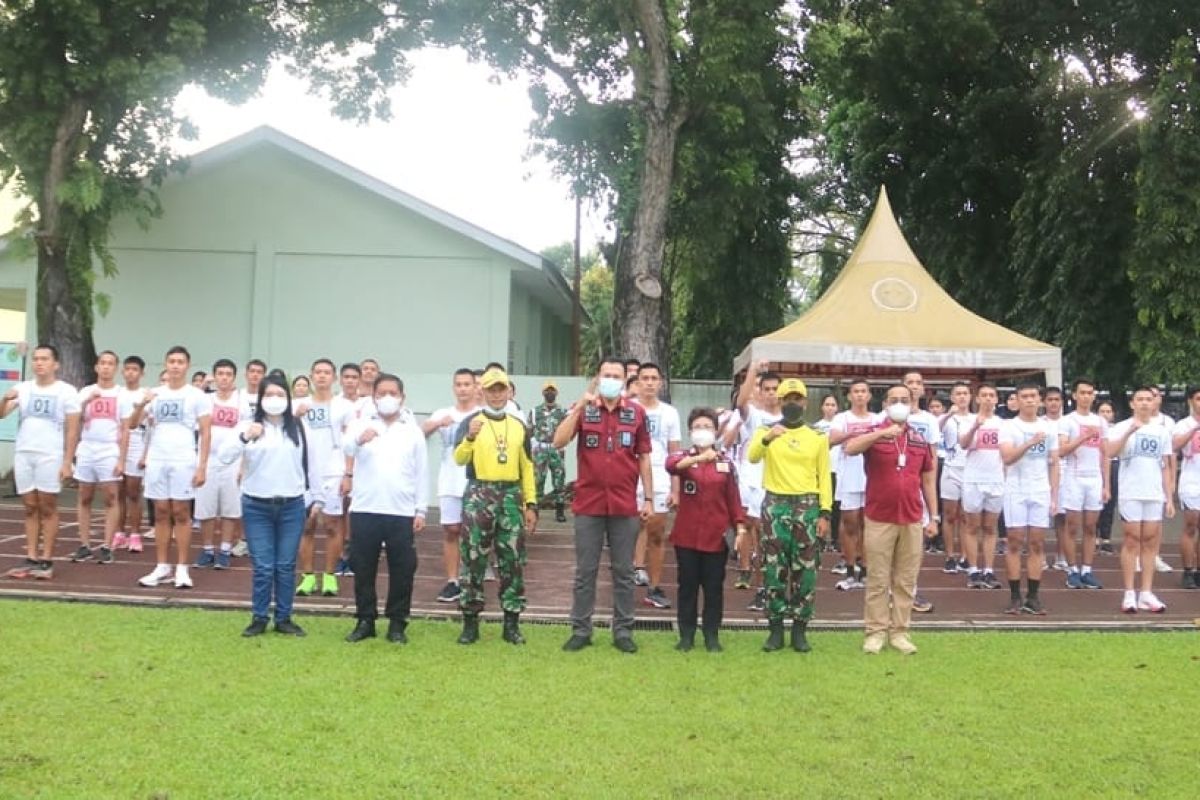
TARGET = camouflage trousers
(492,519)
(547,459)
(791,554)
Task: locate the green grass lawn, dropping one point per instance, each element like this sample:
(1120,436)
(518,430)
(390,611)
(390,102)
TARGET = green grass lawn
(104,701)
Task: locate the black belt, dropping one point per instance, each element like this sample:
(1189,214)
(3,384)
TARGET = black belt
(276,501)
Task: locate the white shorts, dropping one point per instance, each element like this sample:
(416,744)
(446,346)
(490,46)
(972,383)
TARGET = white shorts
(220,497)
(133,456)
(451,510)
(37,471)
(985,497)
(96,464)
(660,500)
(170,480)
(328,492)
(752,499)
(1189,494)
(1082,494)
(951,486)
(1027,511)
(851,501)
(1141,510)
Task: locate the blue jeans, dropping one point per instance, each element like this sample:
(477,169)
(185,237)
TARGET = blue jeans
(273,533)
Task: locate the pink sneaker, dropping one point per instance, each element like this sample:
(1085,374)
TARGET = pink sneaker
(135,543)
(120,541)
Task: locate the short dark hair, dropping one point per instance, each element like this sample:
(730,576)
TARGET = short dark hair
(630,362)
(1049,390)
(1143,388)
(103,353)
(53,350)
(899,386)
(1075,384)
(369,361)
(493,365)
(985,385)
(856,381)
(957,384)
(1192,391)
(649,365)
(706,412)
(179,350)
(1026,385)
(227,363)
(387,377)
(350,366)
(323,361)
(464,371)
(610,360)
(769,376)
(138,360)
(630,381)
(256,362)
(199,374)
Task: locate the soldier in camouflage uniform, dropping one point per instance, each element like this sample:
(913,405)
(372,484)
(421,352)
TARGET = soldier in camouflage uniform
(795,514)
(543,421)
(499,505)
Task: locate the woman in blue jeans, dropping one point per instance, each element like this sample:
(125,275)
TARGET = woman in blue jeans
(272,449)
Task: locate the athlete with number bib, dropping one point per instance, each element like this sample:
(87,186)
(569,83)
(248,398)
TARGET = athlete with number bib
(130,534)
(851,485)
(951,484)
(1185,440)
(983,488)
(1085,478)
(219,500)
(100,456)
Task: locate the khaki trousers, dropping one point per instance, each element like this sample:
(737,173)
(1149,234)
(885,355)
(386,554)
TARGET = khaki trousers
(893,560)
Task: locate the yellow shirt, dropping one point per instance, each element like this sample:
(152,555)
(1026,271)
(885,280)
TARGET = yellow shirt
(497,436)
(795,463)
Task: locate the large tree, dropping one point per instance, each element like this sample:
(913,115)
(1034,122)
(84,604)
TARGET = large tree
(87,91)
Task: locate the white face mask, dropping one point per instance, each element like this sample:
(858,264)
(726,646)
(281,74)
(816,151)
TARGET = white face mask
(388,405)
(898,412)
(274,405)
(703,437)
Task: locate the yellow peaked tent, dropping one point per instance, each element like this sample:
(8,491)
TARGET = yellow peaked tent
(884,315)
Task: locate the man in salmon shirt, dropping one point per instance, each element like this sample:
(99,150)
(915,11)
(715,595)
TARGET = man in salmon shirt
(613,453)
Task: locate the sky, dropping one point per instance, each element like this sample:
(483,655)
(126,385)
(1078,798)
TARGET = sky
(458,139)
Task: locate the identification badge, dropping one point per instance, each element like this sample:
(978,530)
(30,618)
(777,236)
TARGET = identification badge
(689,487)
(591,414)
(626,439)
(627,416)
(591,440)
(502,458)
(722,466)
(901,460)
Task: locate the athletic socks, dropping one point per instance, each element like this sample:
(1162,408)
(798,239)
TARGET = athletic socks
(1033,587)
(1014,588)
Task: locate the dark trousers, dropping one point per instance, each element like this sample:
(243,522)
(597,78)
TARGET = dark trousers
(697,571)
(394,535)
(1104,525)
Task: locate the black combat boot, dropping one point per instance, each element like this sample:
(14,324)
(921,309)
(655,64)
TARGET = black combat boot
(775,639)
(799,639)
(470,631)
(512,630)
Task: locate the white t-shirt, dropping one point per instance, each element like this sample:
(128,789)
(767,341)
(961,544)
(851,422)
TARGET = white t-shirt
(1088,459)
(137,436)
(663,423)
(391,470)
(175,415)
(852,476)
(1165,420)
(44,411)
(983,464)
(102,412)
(750,474)
(452,479)
(835,452)
(956,456)
(227,415)
(1189,471)
(1030,474)
(1142,460)
(324,424)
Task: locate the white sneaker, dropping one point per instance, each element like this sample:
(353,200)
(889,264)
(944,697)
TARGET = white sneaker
(1162,566)
(148,534)
(1129,603)
(1148,602)
(183,580)
(241,549)
(160,574)
(1062,566)
(848,584)
(641,577)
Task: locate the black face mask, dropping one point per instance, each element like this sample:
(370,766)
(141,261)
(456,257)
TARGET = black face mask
(793,414)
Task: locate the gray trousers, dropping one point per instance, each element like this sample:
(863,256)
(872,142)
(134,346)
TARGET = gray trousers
(590,536)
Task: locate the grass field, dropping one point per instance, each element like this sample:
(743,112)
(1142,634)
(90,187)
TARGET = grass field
(104,701)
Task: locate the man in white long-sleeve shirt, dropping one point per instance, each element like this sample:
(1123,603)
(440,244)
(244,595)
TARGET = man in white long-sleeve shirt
(387,479)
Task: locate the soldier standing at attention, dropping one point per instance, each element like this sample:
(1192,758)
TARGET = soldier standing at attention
(496,445)
(543,421)
(795,514)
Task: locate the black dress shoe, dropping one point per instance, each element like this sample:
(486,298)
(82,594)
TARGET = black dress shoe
(711,643)
(625,644)
(577,643)
(289,628)
(396,634)
(365,629)
(257,627)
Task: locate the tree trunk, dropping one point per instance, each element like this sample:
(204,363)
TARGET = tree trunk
(63,319)
(641,327)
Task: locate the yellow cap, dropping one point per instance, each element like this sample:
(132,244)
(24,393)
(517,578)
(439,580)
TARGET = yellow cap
(549,385)
(791,386)
(492,377)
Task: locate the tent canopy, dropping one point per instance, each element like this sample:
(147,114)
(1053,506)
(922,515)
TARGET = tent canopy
(885,315)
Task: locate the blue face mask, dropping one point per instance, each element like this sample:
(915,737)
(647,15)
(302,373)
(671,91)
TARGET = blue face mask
(610,388)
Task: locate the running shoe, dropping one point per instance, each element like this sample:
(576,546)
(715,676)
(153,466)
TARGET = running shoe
(848,584)
(1061,565)
(489,574)
(329,585)
(160,574)
(149,534)
(840,568)
(964,565)
(1074,580)
(82,554)
(922,605)
(120,541)
(207,559)
(640,577)
(104,555)
(450,593)
(135,543)
(975,581)
(44,571)
(1001,547)
(307,585)
(1129,603)
(183,579)
(990,581)
(862,569)
(1148,602)
(222,560)
(759,603)
(743,580)
(1105,547)
(950,567)
(241,549)
(1033,605)
(1088,579)
(1013,608)
(1189,579)
(22,570)
(903,644)
(656,598)
(1162,566)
